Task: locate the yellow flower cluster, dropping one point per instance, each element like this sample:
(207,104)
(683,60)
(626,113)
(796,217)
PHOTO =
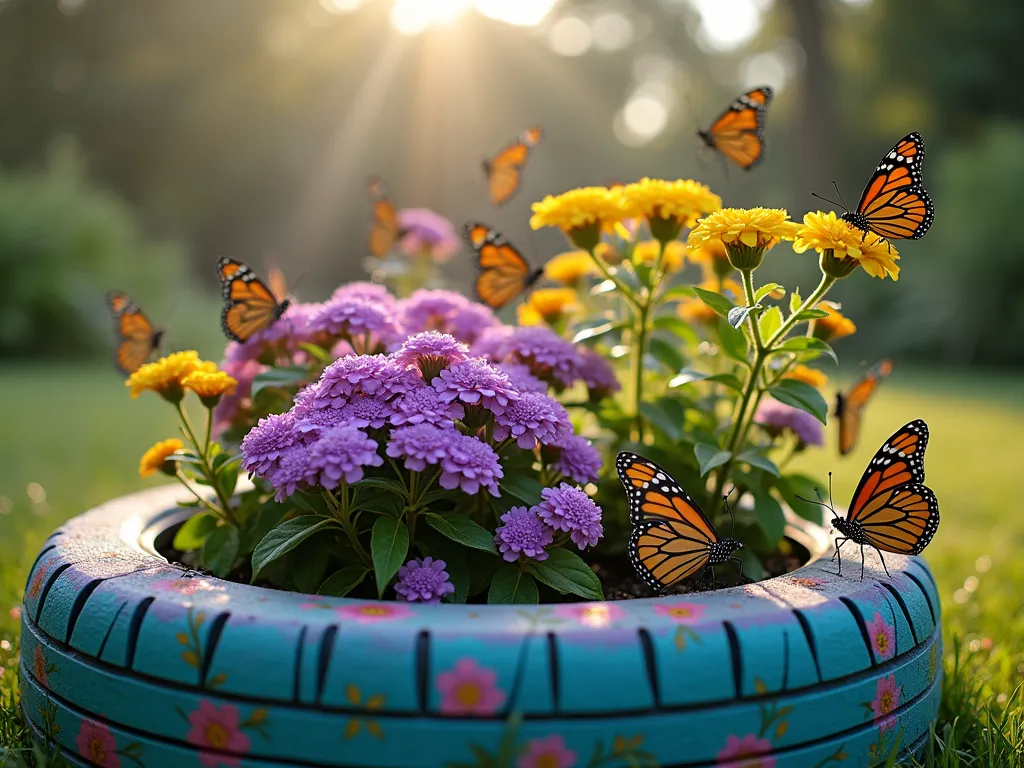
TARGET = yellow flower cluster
(811,376)
(547,305)
(751,227)
(713,258)
(154,458)
(835,326)
(580,213)
(209,385)
(165,375)
(646,252)
(668,205)
(570,267)
(844,247)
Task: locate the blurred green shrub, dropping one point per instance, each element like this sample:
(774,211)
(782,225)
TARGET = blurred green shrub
(63,244)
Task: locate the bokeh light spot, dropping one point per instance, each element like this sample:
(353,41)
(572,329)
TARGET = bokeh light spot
(570,36)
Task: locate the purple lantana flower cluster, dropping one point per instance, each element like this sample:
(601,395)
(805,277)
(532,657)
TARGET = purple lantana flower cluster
(527,532)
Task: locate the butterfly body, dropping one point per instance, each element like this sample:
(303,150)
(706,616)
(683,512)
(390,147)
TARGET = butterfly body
(850,406)
(137,338)
(738,133)
(504,170)
(892,510)
(894,203)
(672,538)
(250,305)
(503,272)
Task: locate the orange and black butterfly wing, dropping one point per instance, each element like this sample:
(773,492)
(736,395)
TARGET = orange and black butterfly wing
(672,537)
(895,510)
(385,230)
(136,336)
(850,407)
(249,305)
(277,283)
(504,169)
(895,204)
(503,272)
(738,133)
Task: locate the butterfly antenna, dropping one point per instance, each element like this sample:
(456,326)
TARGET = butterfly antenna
(819,501)
(830,202)
(732,517)
(840,195)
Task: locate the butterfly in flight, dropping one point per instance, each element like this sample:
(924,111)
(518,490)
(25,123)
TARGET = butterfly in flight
(386,230)
(894,204)
(672,538)
(850,406)
(249,305)
(276,282)
(504,169)
(504,273)
(738,133)
(137,339)
(892,510)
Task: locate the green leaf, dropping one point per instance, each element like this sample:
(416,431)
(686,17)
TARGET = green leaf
(770,322)
(194,532)
(318,353)
(522,487)
(709,457)
(383,484)
(220,550)
(666,354)
(690,376)
(382,503)
(764,290)
(792,487)
(795,301)
(808,344)
(802,396)
(512,586)
(261,523)
(732,341)
(716,301)
(770,516)
(285,537)
(482,568)
(566,572)
(310,502)
(753,568)
(284,376)
(755,459)
(728,379)
(676,326)
(461,529)
(656,415)
(679,293)
(307,565)
(389,544)
(596,329)
(738,315)
(811,314)
(340,583)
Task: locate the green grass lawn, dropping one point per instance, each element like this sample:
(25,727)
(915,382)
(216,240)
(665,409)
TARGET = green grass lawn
(71,438)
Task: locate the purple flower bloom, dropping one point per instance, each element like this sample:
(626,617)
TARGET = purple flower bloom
(470,320)
(292,472)
(427,232)
(310,421)
(421,444)
(424,405)
(340,453)
(533,418)
(424,581)
(263,447)
(354,318)
(523,533)
(431,352)
(569,509)
(492,343)
(597,373)
(550,357)
(476,382)
(574,457)
(470,464)
(232,405)
(776,417)
(372,292)
(521,378)
(429,310)
(350,375)
(366,411)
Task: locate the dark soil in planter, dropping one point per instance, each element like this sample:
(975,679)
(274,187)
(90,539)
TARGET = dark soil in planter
(617,576)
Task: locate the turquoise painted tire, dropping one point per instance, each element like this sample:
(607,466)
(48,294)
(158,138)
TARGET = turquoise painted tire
(129,661)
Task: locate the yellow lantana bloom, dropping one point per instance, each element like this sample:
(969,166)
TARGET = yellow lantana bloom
(546,305)
(668,205)
(570,267)
(153,459)
(713,258)
(209,385)
(674,259)
(165,375)
(815,378)
(580,213)
(833,327)
(752,227)
(848,245)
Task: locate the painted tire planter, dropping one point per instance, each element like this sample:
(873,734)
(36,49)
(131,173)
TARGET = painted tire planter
(127,661)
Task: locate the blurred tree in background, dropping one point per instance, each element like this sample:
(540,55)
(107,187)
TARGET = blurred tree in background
(249,127)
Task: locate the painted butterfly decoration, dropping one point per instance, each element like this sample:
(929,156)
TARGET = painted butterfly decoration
(738,133)
(894,204)
(672,538)
(892,509)
(503,272)
(137,339)
(249,304)
(850,406)
(385,230)
(504,170)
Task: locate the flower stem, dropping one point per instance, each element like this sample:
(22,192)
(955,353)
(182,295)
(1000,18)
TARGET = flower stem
(204,458)
(345,518)
(748,293)
(624,290)
(202,500)
(640,329)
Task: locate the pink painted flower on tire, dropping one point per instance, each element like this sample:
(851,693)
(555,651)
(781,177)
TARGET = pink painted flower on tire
(469,689)
(549,752)
(217,728)
(887,698)
(883,637)
(681,611)
(96,743)
(746,752)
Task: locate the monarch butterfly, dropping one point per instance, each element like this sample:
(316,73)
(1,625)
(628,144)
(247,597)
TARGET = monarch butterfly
(249,305)
(386,229)
(136,336)
(738,133)
(672,538)
(850,407)
(503,170)
(277,283)
(894,203)
(504,273)
(892,509)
